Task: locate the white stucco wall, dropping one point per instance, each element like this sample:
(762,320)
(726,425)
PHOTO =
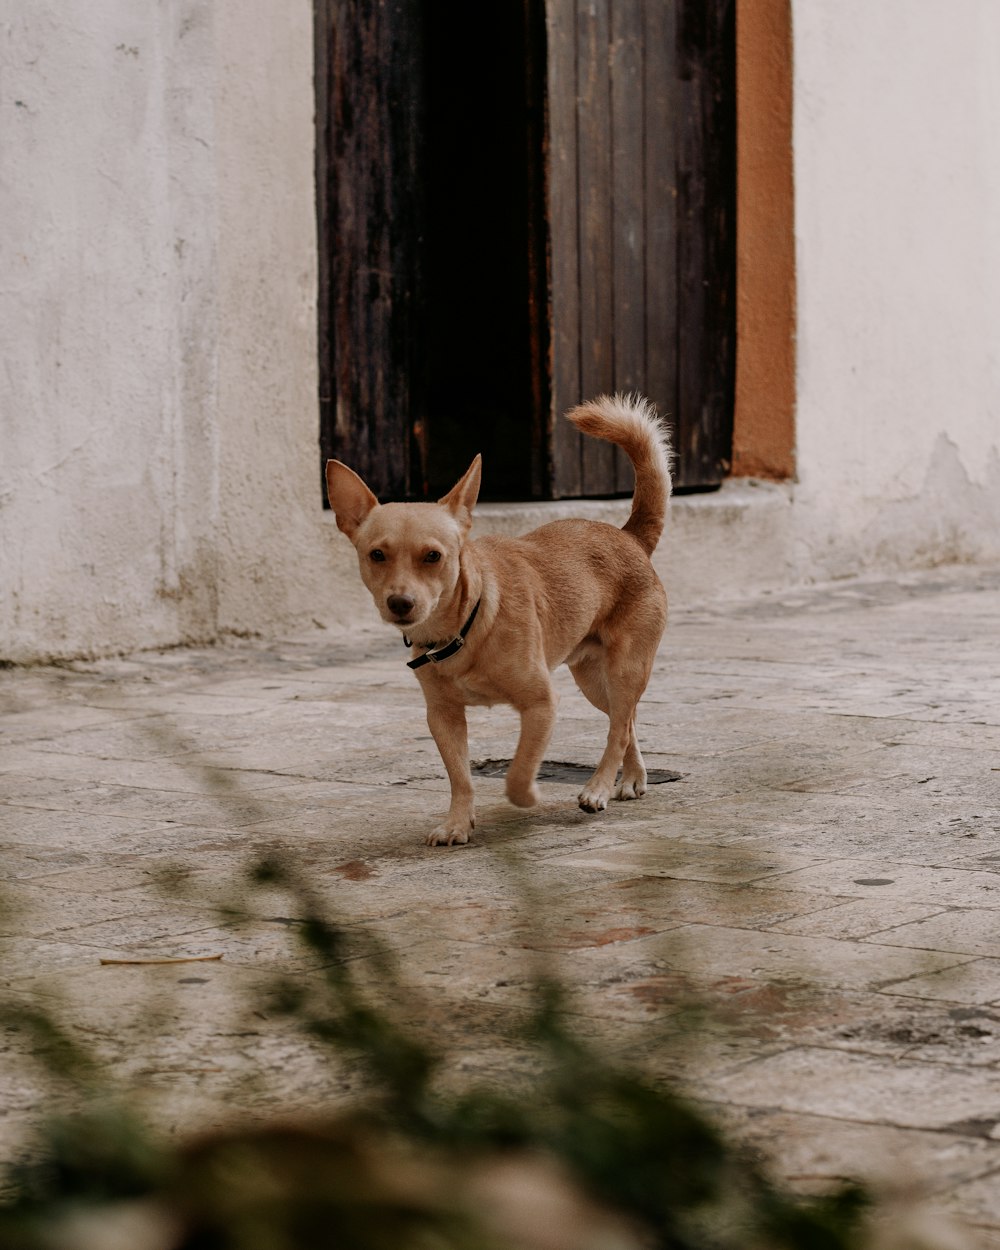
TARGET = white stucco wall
(282,562)
(107,327)
(897,186)
(159,476)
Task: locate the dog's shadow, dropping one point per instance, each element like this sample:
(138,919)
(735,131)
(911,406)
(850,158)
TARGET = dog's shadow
(500,823)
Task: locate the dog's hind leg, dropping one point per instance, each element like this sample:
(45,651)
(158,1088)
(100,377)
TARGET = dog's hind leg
(633,780)
(590,673)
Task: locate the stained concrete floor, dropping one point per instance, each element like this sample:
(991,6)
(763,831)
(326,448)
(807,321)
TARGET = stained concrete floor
(823,878)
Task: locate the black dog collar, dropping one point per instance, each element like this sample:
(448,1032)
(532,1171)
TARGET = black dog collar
(456,644)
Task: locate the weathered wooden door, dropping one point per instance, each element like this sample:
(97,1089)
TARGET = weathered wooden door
(521,205)
(369,165)
(641,201)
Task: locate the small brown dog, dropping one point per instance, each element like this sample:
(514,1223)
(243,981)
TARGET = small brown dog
(488,620)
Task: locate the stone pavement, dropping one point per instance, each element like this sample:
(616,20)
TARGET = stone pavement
(824,877)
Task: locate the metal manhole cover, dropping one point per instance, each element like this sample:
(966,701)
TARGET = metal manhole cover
(563,770)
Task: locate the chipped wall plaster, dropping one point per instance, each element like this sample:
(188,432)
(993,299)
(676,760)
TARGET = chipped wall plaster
(107,326)
(159,476)
(897,188)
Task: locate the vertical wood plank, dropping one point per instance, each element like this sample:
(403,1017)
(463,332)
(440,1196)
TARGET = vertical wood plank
(369,114)
(628,210)
(720,365)
(596,235)
(564,262)
(538,319)
(401,56)
(706,257)
(660,143)
(354,202)
(691,417)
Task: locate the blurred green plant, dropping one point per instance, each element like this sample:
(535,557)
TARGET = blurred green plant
(591,1156)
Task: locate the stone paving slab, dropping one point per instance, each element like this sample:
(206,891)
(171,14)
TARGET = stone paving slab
(812,1150)
(804,929)
(965,931)
(867,1088)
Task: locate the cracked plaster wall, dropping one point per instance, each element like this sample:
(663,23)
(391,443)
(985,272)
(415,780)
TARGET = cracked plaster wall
(158,411)
(107,327)
(897,187)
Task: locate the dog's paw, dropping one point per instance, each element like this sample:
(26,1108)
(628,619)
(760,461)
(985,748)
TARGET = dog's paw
(522,795)
(630,788)
(451,832)
(593,800)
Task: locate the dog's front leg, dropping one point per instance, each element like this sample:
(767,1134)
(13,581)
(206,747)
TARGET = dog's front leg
(447,723)
(537,720)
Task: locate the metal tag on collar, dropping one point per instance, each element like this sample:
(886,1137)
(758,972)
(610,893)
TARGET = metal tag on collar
(447,652)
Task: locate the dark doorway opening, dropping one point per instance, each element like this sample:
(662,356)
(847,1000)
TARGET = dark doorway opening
(484,256)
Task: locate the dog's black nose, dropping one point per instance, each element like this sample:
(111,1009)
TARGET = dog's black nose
(400,605)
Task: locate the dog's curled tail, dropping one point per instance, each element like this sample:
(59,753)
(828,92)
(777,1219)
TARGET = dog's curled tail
(632,423)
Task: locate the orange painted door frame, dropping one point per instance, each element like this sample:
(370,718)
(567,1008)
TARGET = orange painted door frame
(764,415)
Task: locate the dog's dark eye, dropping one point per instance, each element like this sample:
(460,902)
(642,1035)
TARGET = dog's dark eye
(378,556)
(432,557)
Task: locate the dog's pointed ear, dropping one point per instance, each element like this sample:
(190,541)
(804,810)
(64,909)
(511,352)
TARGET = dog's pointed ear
(350,498)
(461,499)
